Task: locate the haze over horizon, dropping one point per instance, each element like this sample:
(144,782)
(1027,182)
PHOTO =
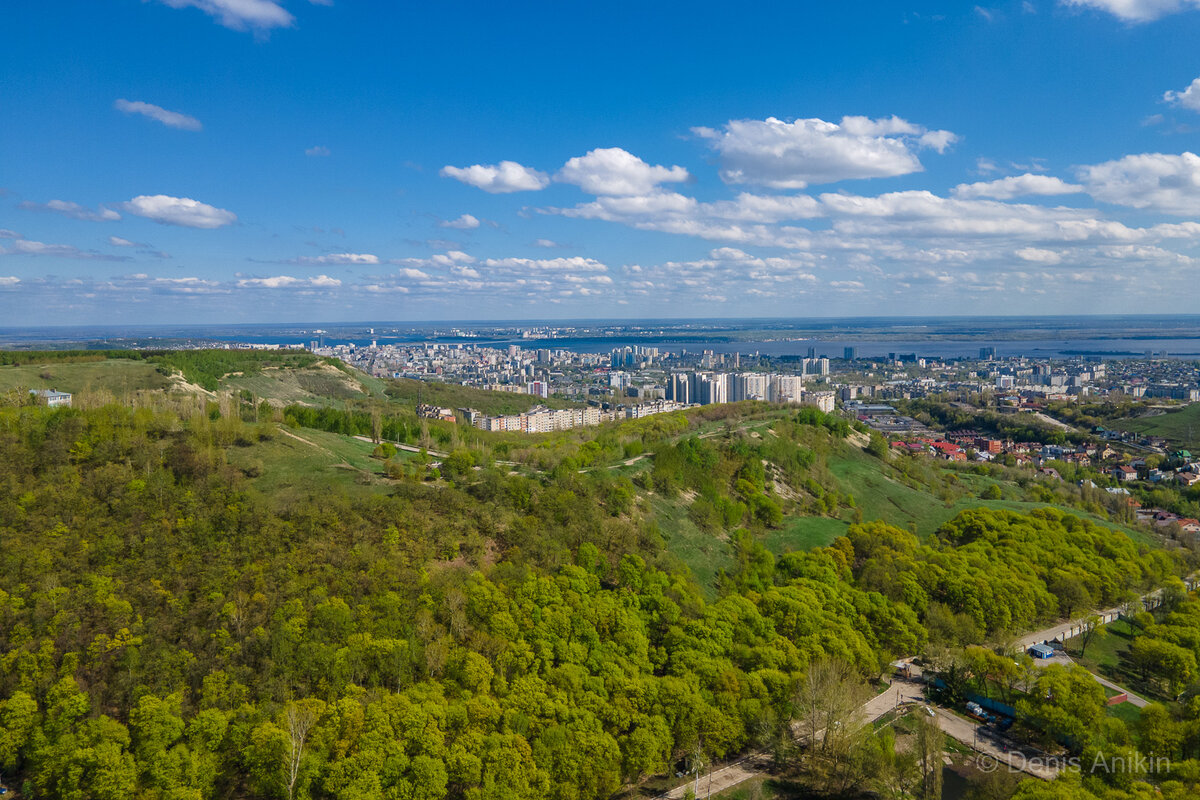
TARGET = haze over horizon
(225,161)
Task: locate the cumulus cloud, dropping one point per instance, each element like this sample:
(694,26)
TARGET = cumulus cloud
(613,171)
(465,222)
(1038,255)
(1155,181)
(741,220)
(340,258)
(573,263)
(412,273)
(287,281)
(11,280)
(316,151)
(1016,186)
(179,211)
(502,178)
(240,15)
(74,210)
(1188,98)
(172,119)
(792,155)
(1137,10)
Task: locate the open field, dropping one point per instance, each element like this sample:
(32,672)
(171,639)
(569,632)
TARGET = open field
(317,385)
(880,496)
(118,376)
(303,462)
(1181,427)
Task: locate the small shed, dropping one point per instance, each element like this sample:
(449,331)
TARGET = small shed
(1041,651)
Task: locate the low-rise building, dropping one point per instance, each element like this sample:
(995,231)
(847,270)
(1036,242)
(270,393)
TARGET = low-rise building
(52,398)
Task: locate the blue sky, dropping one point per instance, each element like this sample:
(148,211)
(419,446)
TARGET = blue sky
(296,160)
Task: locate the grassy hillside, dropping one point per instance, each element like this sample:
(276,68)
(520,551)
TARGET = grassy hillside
(315,384)
(295,464)
(823,481)
(1181,427)
(118,376)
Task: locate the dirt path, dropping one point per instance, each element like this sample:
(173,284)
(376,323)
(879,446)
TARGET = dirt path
(314,445)
(1051,421)
(410,449)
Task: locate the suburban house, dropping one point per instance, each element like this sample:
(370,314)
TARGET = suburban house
(1123,473)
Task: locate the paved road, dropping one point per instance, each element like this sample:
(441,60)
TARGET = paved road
(994,749)
(900,693)
(1133,698)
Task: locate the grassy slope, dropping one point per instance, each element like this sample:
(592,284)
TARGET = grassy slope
(1182,427)
(317,385)
(877,495)
(117,376)
(301,462)
(881,497)
(702,553)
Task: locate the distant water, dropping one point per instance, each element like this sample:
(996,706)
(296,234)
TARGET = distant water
(1046,337)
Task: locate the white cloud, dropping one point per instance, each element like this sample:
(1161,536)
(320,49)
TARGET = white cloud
(340,258)
(1188,98)
(465,222)
(179,211)
(28,247)
(613,171)
(276,282)
(11,280)
(286,281)
(316,151)
(502,178)
(792,155)
(74,210)
(1155,181)
(414,274)
(117,241)
(172,119)
(1137,10)
(723,220)
(240,15)
(572,263)
(1038,255)
(1015,186)
(548,243)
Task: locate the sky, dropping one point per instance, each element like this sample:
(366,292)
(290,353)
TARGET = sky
(204,161)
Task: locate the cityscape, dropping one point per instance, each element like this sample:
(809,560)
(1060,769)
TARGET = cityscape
(600,401)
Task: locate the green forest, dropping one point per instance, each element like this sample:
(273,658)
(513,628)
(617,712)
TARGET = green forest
(515,619)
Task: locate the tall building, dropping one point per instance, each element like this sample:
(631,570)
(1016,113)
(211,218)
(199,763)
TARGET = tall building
(851,353)
(711,388)
(986,353)
(812,352)
(787,389)
(749,386)
(678,388)
(816,366)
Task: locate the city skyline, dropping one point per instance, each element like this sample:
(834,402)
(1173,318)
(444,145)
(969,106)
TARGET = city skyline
(209,161)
